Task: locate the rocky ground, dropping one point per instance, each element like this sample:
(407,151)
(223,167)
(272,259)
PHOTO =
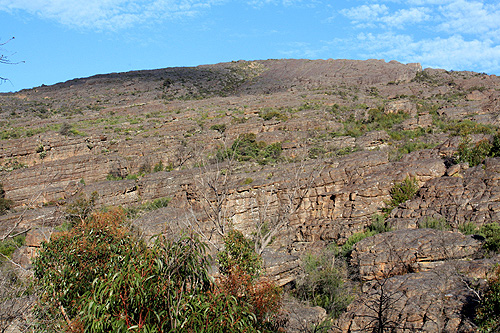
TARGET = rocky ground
(348,131)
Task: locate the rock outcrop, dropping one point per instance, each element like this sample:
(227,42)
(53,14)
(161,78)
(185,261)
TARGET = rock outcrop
(337,135)
(409,251)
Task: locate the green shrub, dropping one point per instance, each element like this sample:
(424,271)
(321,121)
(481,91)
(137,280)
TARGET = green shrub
(401,192)
(466,127)
(379,225)
(65,129)
(158,167)
(268,114)
(435,223)
(316,152)
(133,212)
(247,148)
(9,245)
(473,154)
(469,228)
(113,177)
(322,282)
(491,233)
(411,146)
(488,311)
(356,237)
(248,181)
(68,265)
(99,277)
(151,288)
(239,251)
(377,119)
(221,128)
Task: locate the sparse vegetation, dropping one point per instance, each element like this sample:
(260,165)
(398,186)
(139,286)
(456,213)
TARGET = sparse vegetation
(353,239)
(401,192)
(474,154)
(322,281)
(488,312)
(9,245)
(376,119)
(221,128)
(148,206)
(435,223)
(468,228)
(491,232)
(270,113)
(247,148)
(97,275)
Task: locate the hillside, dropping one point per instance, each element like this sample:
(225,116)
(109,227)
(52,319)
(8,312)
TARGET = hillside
(311,147)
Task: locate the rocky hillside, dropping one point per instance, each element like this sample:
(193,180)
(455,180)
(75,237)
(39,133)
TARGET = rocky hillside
(312,149)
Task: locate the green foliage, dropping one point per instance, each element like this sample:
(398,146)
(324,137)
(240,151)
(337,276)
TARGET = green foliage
(468,228)
(377,119)
(248,181)
(158,167)
(65,129)
(424,76)
(247,148)
(269,113)
(473,154)
(401,192)
(221,128)
(491,233)
(113,177)
(316,152)
(148,206)
(239,252)
(9,245)
(81,208)
(435,223)
(488,311)
(5,204)
(356,237)
(151,288)
(409,134)
(68,265)
(104,279)
(466,127)
(411,146)
(379,225)
(323,282)
(219,312)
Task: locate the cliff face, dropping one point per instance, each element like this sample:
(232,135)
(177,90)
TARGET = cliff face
(347,131)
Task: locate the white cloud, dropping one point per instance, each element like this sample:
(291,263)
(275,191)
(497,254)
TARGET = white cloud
(106,14)
(453,52)
(407,16)
(470,17)
(372,15)
(262,3)
(365,14)
(451,34)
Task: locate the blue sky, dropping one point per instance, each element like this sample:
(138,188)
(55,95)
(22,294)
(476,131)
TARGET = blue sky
(59,40)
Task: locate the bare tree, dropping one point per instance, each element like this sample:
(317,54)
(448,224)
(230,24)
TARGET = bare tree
(284,202)
(4,59)
(208,194)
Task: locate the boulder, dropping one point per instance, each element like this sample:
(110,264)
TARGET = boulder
(439,300)
(405,251)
